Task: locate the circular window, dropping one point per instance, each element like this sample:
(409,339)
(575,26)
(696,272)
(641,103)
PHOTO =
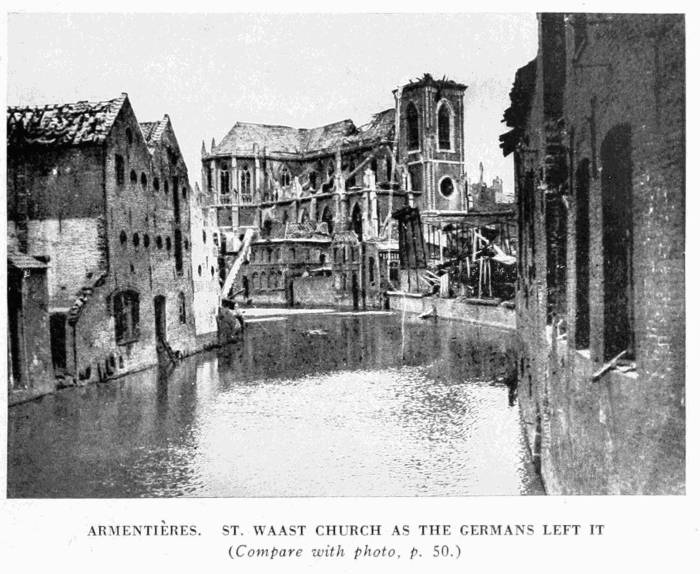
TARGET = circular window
(146,240)
(156,183)
(135,239)
(144,180)
(133,177)
(159,242)
(168,244)
(122,237)
(447,187)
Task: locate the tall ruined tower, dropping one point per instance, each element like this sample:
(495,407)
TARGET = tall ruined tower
(431,141)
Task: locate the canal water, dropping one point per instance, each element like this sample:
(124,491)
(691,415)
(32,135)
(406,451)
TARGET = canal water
(307,405)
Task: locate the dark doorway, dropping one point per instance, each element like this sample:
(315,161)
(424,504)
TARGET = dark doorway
(582,255)
(355,292)
(246,288)
(616,188)
(57,326)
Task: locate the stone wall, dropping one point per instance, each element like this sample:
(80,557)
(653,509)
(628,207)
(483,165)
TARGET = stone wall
(455,309)
(314,291)
(56,208)
(206,289)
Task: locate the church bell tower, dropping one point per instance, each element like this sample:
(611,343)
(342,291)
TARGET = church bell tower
(431,141)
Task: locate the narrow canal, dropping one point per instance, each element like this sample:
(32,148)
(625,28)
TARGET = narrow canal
(307,405)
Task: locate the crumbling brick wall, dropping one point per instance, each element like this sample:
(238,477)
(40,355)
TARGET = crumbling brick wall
(623,432)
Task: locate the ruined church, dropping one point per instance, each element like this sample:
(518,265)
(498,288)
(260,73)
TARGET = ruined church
(285,203)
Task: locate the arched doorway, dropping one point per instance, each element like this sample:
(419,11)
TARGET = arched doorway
(616,190)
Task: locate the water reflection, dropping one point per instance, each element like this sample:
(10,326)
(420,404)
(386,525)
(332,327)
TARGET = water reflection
(306,406)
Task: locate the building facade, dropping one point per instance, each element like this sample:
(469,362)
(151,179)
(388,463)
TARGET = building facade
(105,201)
(345,177)
(598,124)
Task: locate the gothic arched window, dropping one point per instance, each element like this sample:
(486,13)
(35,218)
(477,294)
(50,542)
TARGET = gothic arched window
(225,178)
(285,177)
(245,182)
(412,126)
(444,127)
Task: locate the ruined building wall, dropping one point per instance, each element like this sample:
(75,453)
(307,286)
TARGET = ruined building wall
(56,208)
(205,302)
(142,258)
(623,96)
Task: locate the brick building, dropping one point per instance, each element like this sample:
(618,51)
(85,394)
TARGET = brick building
(598,137)
(346,177)
(104,201)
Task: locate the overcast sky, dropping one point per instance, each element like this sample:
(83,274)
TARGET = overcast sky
(209,71)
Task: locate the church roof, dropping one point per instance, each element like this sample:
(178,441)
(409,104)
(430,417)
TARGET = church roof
(62,124)
(284,139)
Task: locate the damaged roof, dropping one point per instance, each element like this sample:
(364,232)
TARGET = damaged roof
(380,128)
(284,139)
(153,131)
(62,124)
(428,80)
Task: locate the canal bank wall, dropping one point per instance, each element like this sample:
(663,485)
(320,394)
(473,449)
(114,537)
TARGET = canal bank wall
(229,331)
(489,314)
